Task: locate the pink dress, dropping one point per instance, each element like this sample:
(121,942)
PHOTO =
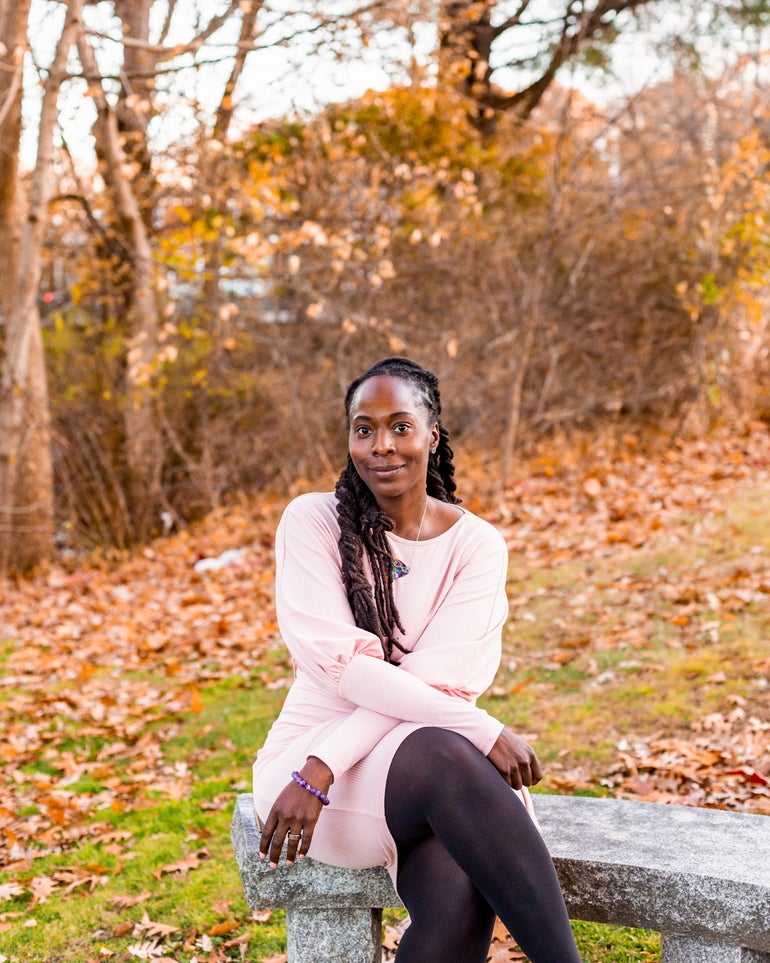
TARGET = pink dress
(351,708)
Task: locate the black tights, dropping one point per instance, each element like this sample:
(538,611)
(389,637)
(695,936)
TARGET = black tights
(467,851)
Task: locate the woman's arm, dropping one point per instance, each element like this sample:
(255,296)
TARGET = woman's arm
(375,684)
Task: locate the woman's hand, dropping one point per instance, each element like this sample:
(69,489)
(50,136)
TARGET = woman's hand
(294,815)
(515,760)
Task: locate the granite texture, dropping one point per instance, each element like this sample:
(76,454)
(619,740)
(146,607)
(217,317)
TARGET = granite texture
(348,935)
(333,915)
(699,873)
(700,877)
(680,949)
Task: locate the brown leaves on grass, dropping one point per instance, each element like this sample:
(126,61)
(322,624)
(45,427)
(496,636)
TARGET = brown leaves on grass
(503,948)
(603,515)
(158,941)
(64,881)
(102,663)
(604,503)
(665,503)
(726,765)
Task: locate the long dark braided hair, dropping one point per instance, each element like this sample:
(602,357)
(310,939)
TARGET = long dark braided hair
(363,526)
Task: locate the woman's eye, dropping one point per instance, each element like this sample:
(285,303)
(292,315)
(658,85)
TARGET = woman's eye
(362,431)
(401,429)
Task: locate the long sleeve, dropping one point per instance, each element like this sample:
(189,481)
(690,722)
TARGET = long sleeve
(369,682)
(353,738)
(314,615)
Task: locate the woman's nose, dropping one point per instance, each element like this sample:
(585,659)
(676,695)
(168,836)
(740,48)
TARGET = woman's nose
(383,442)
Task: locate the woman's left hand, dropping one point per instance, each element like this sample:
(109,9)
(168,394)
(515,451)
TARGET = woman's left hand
(515,760)
(294,815)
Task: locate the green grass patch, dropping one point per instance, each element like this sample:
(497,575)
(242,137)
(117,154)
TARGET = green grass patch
(599,943)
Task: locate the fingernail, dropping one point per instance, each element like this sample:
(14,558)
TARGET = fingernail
(273,865)
(289,862)
(262,856)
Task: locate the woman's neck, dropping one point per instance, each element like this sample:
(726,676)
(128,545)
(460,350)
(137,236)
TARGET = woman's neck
(409,520)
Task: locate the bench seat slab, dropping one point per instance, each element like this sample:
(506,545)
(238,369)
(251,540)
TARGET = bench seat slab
(699,873)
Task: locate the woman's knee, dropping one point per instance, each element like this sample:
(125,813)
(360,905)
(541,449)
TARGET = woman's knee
(434,747)
(434,757)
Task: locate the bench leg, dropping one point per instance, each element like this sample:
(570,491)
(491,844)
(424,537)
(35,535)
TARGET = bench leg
(682,949)
(351,935)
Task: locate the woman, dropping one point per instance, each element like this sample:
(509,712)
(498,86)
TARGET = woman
(391,599)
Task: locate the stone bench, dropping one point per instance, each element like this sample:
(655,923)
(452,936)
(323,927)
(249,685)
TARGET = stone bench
(700,877)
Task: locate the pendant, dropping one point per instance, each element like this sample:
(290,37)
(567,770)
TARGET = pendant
(398,568)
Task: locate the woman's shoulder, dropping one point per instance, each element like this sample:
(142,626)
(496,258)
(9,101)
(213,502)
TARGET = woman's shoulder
(313,508)
(471,532)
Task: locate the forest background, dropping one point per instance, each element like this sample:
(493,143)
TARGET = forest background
(214,214)
(189,278)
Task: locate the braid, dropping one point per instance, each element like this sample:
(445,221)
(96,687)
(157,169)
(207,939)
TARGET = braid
(364,528)
(441,470)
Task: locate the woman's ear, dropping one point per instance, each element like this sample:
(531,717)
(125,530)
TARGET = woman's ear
(435,437)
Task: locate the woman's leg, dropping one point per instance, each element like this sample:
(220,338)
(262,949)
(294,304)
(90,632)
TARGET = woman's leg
(450,921)
(439,785)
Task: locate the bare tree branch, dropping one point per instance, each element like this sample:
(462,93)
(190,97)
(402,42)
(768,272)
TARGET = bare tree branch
(245,44)
(160,50)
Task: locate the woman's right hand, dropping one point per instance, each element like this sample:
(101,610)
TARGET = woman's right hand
(294,815)
(515,760)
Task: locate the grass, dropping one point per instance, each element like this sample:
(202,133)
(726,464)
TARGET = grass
(615,944)
(594,653)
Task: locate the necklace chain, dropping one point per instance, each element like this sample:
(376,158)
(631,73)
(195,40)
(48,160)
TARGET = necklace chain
(398,568)
(422,519)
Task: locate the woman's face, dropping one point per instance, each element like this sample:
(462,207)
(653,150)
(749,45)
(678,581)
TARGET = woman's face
(391,434)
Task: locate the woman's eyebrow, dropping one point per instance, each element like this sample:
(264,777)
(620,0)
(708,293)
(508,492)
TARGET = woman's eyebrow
(394,414)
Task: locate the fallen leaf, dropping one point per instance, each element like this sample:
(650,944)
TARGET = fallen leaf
(42,887)
(183,866)
(10,890)
(147,927)
(149,950)
(123,902)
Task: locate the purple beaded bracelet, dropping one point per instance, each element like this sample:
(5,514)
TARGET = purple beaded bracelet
(306,785)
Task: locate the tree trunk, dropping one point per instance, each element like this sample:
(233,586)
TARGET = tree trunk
(144,449)
(13,37)
(26,474)
(465,46)
(121,143)
(212,172)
